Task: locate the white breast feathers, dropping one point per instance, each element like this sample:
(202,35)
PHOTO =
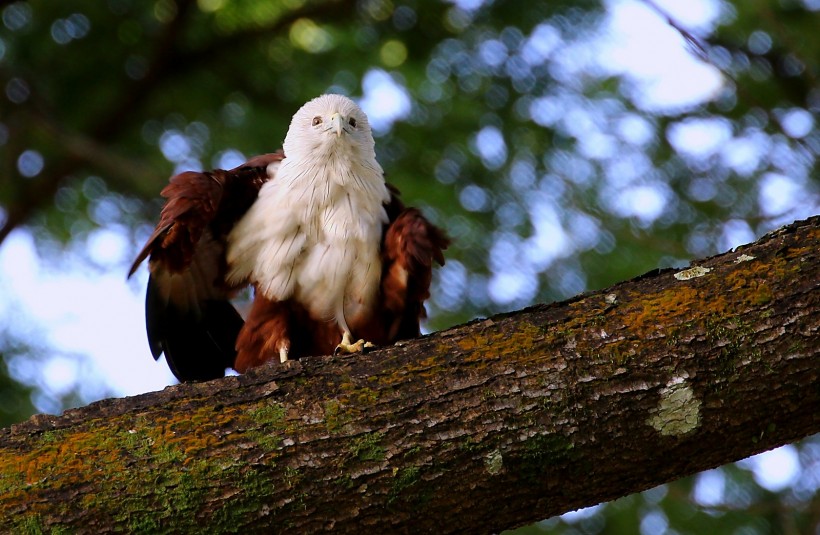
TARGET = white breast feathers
(314,235)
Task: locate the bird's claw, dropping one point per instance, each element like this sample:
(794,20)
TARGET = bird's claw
(347,346)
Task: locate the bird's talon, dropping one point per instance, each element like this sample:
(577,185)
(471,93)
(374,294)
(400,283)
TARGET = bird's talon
(347,346)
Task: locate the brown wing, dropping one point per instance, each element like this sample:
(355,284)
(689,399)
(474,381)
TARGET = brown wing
(198,200)
(187,309)
(410,246)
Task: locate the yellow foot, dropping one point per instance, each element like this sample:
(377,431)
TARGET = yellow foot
(348,346)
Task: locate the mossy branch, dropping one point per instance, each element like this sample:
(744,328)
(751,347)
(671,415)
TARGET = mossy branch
(485,426)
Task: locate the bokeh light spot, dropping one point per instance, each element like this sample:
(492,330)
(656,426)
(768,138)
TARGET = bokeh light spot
(393,53)
(310,37)
(209,6)
(30,163)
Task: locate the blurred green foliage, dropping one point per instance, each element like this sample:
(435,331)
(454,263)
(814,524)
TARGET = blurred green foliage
(549,165)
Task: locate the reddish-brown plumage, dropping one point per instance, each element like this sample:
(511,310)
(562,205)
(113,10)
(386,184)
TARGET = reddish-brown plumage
(200,341)
(196,201)
(272,326)
(410,245)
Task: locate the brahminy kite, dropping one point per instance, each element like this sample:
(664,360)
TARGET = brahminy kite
(331,252)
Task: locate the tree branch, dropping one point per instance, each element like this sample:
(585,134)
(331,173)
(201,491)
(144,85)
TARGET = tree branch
(40,191)
(167,60)
(486,426)
(704,50)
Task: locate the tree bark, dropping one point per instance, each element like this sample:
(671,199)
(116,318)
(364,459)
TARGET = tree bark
(479,428)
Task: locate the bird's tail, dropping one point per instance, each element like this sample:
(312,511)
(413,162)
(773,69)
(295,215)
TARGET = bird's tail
(198,344)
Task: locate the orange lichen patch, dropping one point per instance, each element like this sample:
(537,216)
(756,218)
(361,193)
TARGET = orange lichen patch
(752,283)
(104,450)
(582,318)
(528,336)
(654,311)
(191,442)
(423,365)
(37,469)
(750,290)
(128,454)
(58,461)
(428,369)
(479,341)
(494,343)
(194,431)
(800,251)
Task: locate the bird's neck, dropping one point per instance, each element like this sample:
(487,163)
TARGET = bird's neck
(329,175)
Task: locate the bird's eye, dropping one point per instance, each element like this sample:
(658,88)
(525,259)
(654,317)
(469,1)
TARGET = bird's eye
(317,121)
(352,122)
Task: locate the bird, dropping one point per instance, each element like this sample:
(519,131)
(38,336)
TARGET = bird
(336,261)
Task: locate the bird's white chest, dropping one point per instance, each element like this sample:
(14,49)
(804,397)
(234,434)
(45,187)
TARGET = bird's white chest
(317,241)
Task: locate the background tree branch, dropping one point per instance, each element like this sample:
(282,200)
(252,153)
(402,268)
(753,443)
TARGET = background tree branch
(169,59)
(482,427)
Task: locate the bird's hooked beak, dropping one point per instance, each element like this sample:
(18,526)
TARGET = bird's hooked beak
(337,123)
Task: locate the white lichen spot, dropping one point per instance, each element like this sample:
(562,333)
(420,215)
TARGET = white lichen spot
(692,273)
(494,462)
(611,299)
(743,258)
(678,410)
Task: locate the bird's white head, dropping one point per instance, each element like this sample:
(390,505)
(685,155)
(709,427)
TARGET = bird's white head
(330,125)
